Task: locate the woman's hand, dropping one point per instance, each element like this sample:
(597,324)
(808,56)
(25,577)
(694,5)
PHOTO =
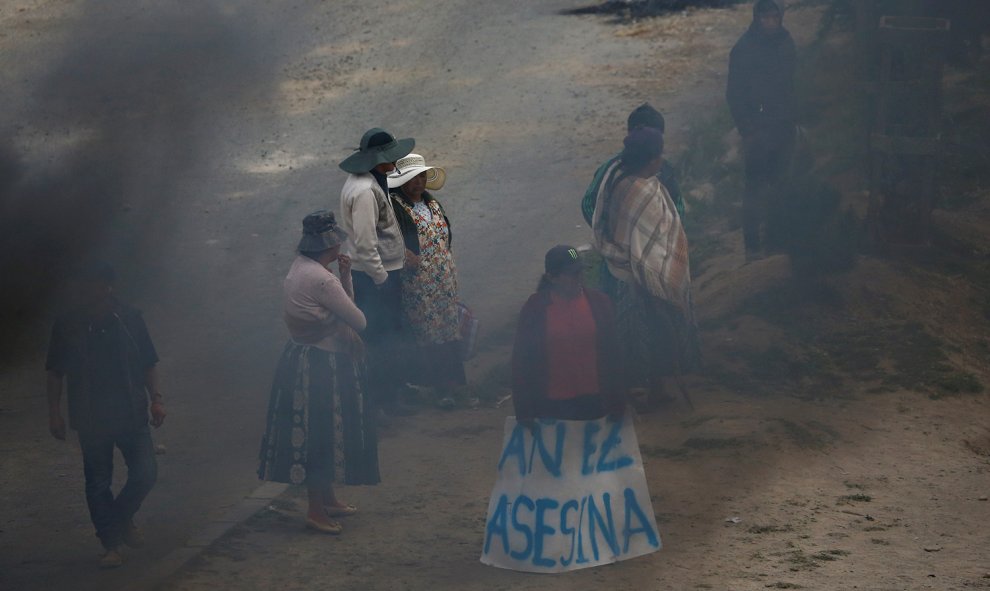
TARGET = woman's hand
(344,265)
(412,259)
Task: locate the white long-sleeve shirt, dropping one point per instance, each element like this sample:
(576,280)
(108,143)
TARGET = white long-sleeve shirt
(375,244)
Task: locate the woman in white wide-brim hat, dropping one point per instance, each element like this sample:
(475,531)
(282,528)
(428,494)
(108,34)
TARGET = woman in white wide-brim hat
(429,289)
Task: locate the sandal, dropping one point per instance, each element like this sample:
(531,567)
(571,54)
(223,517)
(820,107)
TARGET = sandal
(332,527)
(339,511)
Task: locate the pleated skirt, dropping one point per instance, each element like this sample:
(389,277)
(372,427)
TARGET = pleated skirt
(320,428)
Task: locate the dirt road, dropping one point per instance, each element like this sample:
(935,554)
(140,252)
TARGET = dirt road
(519,104)
(221,161)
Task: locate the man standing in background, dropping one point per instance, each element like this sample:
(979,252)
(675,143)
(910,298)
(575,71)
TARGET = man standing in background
(102,349)
(377,253)
(760,93)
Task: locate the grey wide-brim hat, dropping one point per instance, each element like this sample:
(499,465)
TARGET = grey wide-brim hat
(320,232)
(377,147)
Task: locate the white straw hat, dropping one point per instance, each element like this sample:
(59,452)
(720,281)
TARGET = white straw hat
(411,165)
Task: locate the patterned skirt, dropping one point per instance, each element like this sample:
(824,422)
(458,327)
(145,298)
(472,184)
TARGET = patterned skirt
(320,428)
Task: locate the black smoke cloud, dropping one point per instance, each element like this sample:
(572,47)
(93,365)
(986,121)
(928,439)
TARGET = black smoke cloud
(114,116)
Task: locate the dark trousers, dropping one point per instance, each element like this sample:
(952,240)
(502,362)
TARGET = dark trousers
(382,307)
(438,365)
(111,515)
(767,153)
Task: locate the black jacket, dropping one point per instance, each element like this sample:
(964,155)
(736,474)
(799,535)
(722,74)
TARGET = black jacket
(410,234)
(760,90)
(71,354)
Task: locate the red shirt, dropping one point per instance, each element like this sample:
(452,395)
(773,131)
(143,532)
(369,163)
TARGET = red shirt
(572,356)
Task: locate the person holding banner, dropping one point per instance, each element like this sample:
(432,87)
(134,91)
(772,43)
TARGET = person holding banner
(571,491)
(565,362)
(320,429)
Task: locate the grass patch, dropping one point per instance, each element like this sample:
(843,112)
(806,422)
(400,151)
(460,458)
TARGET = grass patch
(696,421)
(792,303)
(769,529)
(702,160)
(830,555)
(879,542)
(774,363)
(780,585)
(916,359)
(799,561)
(855,498)
(810,435)
(957,382)
(819,355)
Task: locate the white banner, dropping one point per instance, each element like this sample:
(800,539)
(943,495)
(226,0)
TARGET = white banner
(570,495)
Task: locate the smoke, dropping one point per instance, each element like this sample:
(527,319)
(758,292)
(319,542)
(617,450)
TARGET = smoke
(92,163)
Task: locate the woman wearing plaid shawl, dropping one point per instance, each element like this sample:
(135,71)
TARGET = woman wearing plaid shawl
(639,234)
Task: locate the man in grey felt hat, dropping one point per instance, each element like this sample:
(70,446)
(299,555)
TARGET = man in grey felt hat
(377,253)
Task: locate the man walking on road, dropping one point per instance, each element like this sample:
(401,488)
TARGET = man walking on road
(103,351)
(760,93)
(377,253)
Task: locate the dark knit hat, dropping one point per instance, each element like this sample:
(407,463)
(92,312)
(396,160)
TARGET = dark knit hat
(761,7)
(645,116)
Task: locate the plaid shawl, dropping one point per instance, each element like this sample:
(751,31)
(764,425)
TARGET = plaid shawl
(639,233)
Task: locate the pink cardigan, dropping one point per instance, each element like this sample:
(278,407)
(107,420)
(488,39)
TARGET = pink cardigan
(317,307)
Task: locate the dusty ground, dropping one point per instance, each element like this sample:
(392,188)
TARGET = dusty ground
(880,494)
(835,486)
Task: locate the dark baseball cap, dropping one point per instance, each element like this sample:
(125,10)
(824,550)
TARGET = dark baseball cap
(561,259)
